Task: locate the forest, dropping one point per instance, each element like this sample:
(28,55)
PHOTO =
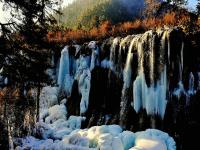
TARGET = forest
(99,75)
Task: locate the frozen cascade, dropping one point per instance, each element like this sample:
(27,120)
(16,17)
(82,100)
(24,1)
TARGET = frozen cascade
(148,80)
(127,79)
(79,69)
(128,67)
(152,97)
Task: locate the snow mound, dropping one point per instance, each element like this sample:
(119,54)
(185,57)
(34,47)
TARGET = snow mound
(153,139)
(106,137)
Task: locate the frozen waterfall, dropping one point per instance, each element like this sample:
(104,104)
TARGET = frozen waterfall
(142,62)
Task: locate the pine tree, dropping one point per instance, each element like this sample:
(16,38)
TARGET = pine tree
(28,51)
(198,7)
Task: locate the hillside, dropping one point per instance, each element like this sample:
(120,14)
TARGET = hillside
(86,14)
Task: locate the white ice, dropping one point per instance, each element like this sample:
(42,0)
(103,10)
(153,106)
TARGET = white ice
(104,138)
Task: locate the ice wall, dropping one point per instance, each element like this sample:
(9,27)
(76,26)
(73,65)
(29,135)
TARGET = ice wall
(142,62)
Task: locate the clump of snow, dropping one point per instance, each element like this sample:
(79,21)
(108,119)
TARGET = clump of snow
(56,112)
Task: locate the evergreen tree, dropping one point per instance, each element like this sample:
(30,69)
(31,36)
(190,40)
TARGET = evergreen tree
(28,47)
(198,7)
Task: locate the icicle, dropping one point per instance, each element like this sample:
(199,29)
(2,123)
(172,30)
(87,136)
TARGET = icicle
(179,90)
(152,98)
(52,59)
(182,48)
(84,88)
(128,68)
(6,81)
(64,66)
(191,89)
(78,48)
(169,61)
(68,83)
(113,53)
(94,58)
(198,88)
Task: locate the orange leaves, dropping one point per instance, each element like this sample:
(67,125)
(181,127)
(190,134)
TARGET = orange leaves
(170,18)
(106,29)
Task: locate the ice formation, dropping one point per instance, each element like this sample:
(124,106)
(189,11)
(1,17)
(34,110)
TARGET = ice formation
(48,98)
(110,137)
(198,82)
(153,139)
(180,90)
(71,69)
(154,53)
(64,66)
(191,89)
(143,63)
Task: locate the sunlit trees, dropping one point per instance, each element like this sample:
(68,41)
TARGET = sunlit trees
(151,7)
